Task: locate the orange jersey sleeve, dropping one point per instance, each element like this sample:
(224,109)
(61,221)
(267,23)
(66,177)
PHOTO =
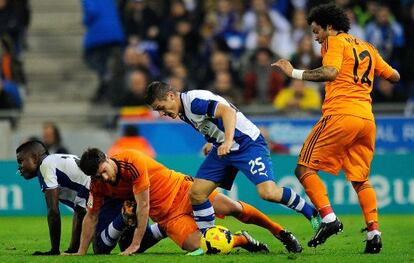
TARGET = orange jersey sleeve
(357,62)
(146,172)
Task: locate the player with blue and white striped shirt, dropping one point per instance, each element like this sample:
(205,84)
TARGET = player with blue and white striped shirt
(62,180)
(236,144)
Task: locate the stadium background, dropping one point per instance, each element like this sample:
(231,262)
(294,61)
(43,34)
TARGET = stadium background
(192,44)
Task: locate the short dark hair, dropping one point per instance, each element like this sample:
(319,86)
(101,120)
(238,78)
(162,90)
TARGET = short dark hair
(157,90)
(33,146)
(90,160)
(329,14)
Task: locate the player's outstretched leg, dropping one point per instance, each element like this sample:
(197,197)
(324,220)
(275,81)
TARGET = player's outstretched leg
(246,241)
(269,191)
(248,214)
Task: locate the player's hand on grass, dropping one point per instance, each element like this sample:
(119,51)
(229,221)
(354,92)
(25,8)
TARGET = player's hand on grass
(46,253)
(284,65)
(207,148)
(130,250)
(224,148)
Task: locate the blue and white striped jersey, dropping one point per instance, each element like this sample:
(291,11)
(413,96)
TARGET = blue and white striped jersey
(62,171)
(199,108)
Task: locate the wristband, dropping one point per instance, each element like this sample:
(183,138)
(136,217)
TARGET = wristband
(297,73)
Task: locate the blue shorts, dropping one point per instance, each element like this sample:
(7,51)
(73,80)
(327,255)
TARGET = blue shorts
(253,160)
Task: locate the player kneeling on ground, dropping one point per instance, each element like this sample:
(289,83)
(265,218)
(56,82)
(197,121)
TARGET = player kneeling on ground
(162,195)
(61,180)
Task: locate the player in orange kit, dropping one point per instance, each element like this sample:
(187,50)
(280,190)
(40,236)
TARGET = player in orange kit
(344,138)
(162,195)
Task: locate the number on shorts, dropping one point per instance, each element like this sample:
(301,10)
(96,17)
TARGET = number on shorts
(256,165)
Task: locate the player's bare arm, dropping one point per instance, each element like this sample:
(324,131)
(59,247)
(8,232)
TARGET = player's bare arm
(228,115)
(324,73)
(88,231)
(395,77)
(53,219)
(78,215)
(142,200)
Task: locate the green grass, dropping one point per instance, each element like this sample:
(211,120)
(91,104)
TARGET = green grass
(20,236)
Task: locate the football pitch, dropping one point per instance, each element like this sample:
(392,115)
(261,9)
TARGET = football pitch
(20,236)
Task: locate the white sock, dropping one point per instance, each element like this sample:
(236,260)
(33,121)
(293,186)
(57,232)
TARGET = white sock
(371,234)
(156,232)
(329,218)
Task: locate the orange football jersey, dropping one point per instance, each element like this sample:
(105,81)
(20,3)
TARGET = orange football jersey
(136,173)
(356,61)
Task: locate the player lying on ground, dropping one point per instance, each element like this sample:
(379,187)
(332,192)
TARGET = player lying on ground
(344,138)
(62,180)
(162,195)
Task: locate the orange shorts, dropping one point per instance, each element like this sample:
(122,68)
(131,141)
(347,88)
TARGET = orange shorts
(340,142)
(179,222)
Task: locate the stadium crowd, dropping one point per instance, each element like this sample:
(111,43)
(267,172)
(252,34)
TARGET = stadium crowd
(227,46)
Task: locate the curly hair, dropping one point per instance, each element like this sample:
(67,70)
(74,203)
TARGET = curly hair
(329,14)
(90,160)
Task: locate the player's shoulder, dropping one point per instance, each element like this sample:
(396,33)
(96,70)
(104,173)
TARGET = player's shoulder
(128,155)
(198,94)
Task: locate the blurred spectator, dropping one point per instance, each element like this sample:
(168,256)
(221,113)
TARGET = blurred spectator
(9,96)
(300,27)
(223,86)
(219,62)
(135,57)
(385,34)
(53,139)
(176,13)
(134,95)
(171,61)
(11,65)
(262,83)
(12,95)
(305,56)
(102,42)
(365,11)
(140,21)
(131,139)
(356,30)
(298,97)
(10,22)
(281,42)
(257,7)
(385,91)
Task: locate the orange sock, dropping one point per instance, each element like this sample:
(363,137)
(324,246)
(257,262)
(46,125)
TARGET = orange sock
(251,215)
(368,202)
(315,189)
(239,240)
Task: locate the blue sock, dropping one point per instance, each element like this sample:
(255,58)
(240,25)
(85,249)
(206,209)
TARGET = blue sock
(294,201)
(107,239)
(204,215)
